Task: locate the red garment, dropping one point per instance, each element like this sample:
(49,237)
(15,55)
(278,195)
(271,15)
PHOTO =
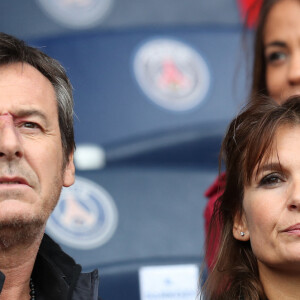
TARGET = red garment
(213,193)
(249,11)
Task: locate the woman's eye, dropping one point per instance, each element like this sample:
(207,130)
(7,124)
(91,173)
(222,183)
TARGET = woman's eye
(275,57)
(271,180)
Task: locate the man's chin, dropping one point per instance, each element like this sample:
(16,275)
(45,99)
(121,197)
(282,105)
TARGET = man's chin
(20,212)
(19,231)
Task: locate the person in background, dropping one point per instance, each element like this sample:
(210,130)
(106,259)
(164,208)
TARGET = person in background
(36,161)
(259,211)
(276,72)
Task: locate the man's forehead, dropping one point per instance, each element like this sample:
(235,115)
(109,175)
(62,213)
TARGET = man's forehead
(21,70)
(22,85)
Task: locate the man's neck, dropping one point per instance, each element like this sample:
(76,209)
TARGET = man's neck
(17,265)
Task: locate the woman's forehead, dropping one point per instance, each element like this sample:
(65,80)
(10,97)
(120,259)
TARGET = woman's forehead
(278,26)
(282,149)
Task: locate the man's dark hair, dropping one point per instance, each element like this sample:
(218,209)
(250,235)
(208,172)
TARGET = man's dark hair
(13,50)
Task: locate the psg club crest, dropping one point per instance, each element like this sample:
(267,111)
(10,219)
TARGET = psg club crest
(76,13)
(172,74)
(85,216)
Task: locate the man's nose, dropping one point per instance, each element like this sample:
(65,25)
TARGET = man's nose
(10,143)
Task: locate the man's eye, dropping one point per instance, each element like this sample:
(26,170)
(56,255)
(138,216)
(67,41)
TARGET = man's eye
(30,125)
(271,180)
(276,56)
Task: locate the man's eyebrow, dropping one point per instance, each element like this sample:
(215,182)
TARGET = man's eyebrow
(31,112)
(276,44)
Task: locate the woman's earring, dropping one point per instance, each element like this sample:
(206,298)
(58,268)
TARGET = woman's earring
(242,233)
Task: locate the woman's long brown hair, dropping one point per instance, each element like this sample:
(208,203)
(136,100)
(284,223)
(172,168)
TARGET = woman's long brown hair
(248,142)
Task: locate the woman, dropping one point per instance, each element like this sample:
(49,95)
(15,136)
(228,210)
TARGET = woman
(276,71)
(259,211)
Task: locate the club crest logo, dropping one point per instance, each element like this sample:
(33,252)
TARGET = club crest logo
(171,73)
(76,13)
(85,216)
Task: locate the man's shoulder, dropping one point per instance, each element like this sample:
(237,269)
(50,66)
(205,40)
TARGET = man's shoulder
(87,286)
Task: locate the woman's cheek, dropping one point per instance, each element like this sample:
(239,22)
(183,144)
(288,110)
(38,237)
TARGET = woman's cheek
(276,81)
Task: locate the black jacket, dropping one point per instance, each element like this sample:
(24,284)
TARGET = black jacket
(56,276)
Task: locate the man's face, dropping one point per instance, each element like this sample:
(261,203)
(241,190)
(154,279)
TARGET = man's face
(31,155)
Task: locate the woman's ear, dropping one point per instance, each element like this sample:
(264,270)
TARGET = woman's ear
(240,229)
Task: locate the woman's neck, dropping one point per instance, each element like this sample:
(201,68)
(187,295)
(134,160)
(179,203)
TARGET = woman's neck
(280,284)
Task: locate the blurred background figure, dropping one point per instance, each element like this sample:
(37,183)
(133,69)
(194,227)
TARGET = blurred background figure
(155,86)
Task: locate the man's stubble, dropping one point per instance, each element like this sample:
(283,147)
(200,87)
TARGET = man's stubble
(24,229)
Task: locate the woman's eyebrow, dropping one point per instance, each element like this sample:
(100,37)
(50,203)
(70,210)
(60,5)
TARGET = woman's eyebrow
(276,44)
(270,167)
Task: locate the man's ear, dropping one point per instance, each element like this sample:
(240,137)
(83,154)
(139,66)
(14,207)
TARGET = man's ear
(69,172)
(240,228)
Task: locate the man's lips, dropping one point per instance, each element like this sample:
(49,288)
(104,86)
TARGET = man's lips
(13,180)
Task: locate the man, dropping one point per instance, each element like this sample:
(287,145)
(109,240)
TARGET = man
(36,160)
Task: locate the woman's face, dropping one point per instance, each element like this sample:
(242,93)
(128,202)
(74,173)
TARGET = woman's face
(282,49)
(271,205)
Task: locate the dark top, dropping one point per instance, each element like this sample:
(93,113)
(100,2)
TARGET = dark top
(57,276)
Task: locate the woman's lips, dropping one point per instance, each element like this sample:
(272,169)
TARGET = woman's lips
(294,229)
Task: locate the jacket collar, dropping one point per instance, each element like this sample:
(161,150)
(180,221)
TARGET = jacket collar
(55,273)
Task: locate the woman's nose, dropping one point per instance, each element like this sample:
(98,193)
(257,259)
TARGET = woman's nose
(294,69)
